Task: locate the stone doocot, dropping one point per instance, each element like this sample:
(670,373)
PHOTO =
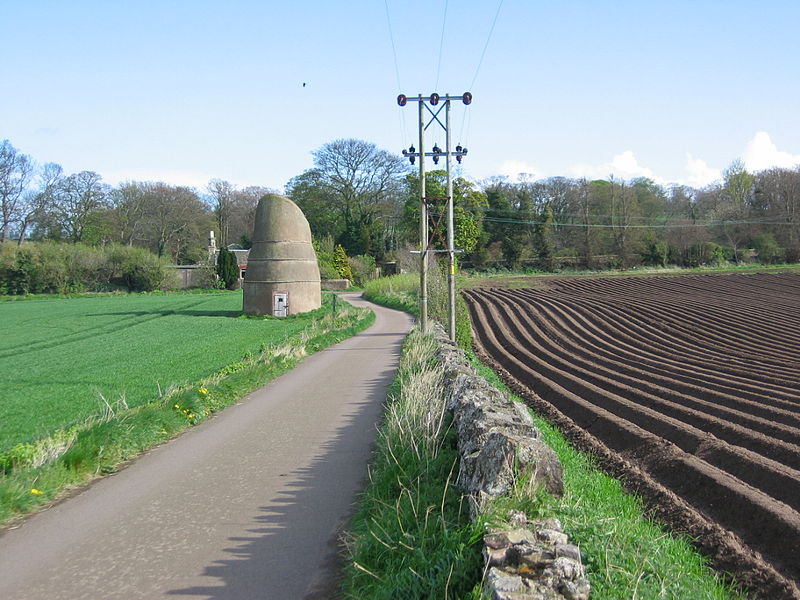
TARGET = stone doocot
(282,272)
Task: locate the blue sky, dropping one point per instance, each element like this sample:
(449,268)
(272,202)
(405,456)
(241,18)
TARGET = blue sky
(183,91)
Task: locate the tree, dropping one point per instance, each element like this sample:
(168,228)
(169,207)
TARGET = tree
(76,200)
(16,171)
(129,204)
(35,202)
(543,239)
(221,193)
(505,222)
(175,220)
(243,214)
(227,268)
(469,205)
(361,185)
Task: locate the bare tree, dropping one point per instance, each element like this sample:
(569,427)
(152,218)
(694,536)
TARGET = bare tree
(174,219)
(75,201)
(16,172)
(222,202)
(129,205)
(37,203)
(243,213)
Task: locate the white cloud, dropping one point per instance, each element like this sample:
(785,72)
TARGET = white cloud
(700,174)
(515,168)
(622,166)
(193,179)
(762,153)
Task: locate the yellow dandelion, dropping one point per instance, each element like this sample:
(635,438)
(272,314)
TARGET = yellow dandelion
(203,391)
(37,492)
(177,406)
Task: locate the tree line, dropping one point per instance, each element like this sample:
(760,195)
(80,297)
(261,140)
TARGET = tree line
(41,202)
(366,200)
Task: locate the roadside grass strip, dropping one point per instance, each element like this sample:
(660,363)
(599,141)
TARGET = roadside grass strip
(626,555)
(411,536)
(396,291)
(35,473)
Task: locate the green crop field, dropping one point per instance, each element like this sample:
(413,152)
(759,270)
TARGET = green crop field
(58,356)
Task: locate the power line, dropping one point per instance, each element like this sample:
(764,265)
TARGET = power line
(486,45)
(394,49)
(464,117)
(441,44)
(610,226)
(401,114)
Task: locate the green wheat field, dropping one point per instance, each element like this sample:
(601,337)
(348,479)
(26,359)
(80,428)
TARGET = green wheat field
(60,357)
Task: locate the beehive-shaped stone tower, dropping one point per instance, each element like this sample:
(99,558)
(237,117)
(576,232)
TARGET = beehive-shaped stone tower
(282,274)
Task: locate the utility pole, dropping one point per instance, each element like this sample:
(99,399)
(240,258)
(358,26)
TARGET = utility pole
(425,103)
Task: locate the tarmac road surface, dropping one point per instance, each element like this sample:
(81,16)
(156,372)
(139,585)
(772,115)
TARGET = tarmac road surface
(248,505)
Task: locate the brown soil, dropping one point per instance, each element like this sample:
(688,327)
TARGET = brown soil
(687,388)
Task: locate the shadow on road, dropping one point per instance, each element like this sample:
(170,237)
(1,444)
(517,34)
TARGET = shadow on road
(299,529)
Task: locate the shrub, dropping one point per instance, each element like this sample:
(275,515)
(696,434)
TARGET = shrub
(55,268)
(341,264)
(767,249)
(362,268)
(227,268)
(143,271)
(324,249)
(655,252)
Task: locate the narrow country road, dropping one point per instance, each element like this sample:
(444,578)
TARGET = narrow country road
(246,506)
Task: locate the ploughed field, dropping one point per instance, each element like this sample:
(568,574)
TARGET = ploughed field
(687,388)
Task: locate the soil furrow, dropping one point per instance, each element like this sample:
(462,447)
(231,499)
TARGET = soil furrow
(642,371)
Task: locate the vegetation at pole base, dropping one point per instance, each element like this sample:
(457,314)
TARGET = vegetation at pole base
(36,471)
(227,268)
(412,536)
(402,293)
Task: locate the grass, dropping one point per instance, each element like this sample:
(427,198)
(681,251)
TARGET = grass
(396,291)
(33,473)
(401,292)
(411,536)
(62,359)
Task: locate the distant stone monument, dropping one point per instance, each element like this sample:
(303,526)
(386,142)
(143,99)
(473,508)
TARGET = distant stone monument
(282,276)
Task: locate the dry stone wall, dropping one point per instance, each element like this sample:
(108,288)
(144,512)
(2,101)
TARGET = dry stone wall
(498,443)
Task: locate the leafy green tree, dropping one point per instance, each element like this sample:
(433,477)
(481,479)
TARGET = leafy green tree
(227,268)
(655,252)
(506,223)
(352,193)
(767,249)
(469,206)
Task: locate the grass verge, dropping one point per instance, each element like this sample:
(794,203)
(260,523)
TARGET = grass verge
(626,555)
(396,291)
(411,536)
(37,473)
